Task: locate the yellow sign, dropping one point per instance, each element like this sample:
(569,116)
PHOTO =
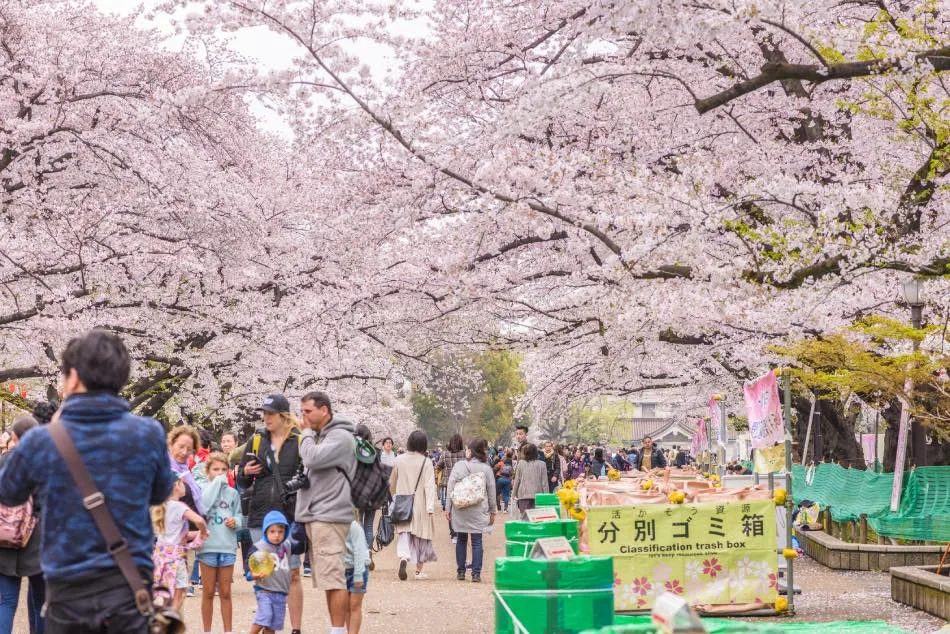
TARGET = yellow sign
(710,554)
(769,459)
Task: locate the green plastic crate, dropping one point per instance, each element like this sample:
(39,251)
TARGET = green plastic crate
(547,499)
(563,596)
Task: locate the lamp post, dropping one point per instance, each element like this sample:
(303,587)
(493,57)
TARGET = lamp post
(913,297)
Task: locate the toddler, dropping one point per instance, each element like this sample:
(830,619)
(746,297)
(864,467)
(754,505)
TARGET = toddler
(271,590)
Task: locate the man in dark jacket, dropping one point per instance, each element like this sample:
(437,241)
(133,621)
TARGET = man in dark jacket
(128,459)
(650,457)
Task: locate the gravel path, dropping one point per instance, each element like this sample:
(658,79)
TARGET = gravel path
(835,595)
(442,604)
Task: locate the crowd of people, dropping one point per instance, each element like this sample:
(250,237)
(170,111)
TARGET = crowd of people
(291,501)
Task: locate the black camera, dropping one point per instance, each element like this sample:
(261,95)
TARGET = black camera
(296,483)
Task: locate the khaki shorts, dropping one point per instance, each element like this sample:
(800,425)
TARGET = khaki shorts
(327,547)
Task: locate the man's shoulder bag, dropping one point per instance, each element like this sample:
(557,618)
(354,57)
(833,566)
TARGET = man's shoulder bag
(162,618)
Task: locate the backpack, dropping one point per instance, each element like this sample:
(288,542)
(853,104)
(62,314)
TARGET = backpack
(506,471)
(469,491)
(16,525)
(369,486)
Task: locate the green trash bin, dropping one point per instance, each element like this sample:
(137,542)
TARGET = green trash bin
(559,596)
(520,536)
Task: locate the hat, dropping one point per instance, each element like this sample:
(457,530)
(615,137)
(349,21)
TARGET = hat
(275,403)
(275,517)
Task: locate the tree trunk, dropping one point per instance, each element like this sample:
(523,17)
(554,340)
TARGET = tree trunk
(832,434)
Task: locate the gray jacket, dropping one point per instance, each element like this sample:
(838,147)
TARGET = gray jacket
(323,456)
(473,519)
(531,478)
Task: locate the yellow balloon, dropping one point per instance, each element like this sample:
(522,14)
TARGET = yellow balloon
(261,563)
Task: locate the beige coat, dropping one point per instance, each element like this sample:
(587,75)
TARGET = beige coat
(403,479)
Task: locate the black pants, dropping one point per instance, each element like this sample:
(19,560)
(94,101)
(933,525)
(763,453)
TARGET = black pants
(109,612)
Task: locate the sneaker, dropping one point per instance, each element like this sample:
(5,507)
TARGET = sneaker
(476,578)
(421,575)
(402,569)
(191,591)
(307,572)
(461,576)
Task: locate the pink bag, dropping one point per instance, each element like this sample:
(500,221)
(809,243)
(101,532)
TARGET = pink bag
(16,525)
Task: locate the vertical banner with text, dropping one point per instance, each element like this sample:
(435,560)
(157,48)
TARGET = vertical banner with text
(764,407)
(709,554)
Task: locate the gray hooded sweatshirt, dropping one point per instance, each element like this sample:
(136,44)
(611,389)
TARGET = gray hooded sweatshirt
(323,455)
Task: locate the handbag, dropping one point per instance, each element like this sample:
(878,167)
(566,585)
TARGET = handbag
(162,618)
(401,508)
(469,491)
(16,525)
(385,534)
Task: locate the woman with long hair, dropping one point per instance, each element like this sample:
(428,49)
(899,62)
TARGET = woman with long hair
(454,453)
(470,522)
(413,474)
(271,459)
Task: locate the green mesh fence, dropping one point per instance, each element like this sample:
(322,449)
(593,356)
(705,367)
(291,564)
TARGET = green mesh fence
(925,500)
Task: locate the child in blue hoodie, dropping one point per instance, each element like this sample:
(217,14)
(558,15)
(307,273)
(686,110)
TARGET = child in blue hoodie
(355,562)
(271,590)
(217,554)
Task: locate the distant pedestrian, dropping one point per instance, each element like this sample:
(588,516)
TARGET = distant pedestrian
(414,475)
(454,454)
(552,462)
(531,478)
(472,521)
(387,456)
(598,466)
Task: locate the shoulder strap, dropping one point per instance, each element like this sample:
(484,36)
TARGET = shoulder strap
(421,469)
(95,503)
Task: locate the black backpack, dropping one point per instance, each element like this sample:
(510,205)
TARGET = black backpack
(369,486)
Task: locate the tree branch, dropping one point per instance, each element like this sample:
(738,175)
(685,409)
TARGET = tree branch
(772,72)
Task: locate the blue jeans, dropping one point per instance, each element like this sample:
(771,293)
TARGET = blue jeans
(10,597)
(461,550)
(504,490)
(368,521)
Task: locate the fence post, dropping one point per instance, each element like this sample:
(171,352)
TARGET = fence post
(826,520)
(863,529)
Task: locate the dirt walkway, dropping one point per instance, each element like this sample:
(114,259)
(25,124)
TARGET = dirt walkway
(438,604)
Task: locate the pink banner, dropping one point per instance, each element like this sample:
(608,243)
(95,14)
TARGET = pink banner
(699,438)
(764,408)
